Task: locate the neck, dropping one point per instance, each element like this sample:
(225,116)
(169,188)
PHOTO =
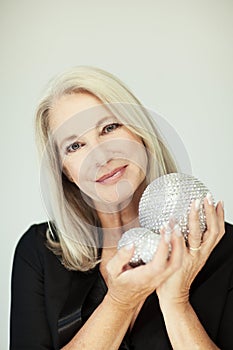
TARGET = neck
(115,223)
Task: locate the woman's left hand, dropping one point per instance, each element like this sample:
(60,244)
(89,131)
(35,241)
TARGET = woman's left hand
(175,289)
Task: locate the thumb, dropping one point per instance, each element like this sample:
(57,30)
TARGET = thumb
(116,264)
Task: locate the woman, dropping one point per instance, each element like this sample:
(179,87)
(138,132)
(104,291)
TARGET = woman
(71,288)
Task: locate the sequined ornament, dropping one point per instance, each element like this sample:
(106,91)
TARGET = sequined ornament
(145,244)
(168,195)
(172,195)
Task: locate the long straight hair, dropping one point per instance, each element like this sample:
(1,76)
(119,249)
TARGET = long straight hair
(77,236)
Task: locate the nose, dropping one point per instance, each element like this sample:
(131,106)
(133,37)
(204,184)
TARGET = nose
(100,153)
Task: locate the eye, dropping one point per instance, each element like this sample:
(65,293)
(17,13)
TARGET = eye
(110,127)
(73,147)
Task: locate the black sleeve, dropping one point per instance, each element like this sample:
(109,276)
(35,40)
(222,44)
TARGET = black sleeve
(29,328)
(225,334)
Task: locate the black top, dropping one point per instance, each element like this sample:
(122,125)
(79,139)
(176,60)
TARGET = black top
(49,303)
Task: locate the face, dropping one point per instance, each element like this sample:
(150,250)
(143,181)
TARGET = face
(99,154)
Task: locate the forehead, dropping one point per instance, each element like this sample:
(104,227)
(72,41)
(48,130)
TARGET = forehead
(76,113)
(73,104)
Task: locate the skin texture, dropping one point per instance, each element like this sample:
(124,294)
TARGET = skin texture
(174,292)
(171,278)
(101,146)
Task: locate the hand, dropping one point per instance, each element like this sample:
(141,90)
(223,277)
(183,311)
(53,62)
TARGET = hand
(129,287)
(175,289)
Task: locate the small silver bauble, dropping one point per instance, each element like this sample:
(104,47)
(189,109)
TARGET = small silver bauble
(145,244)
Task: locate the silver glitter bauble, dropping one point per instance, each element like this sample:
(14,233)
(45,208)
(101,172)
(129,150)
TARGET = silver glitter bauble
(168,195)
(171,195)
(145,244)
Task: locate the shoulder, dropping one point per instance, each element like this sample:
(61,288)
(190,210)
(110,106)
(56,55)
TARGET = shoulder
(32,248)
(34,237)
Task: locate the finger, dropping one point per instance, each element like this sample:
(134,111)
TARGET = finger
(195,234)
(162,266)
(211,219)
(210,236)
(220,211)
(176,229)
(221,219)
(161,256)
(120,259)
(178,248)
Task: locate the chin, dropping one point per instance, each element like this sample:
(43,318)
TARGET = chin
(113,198)
(116,196)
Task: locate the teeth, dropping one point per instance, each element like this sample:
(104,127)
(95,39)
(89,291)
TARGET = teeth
(114,175)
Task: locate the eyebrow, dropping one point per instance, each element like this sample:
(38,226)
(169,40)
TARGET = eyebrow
(100,122)
(68,139)
(74,136)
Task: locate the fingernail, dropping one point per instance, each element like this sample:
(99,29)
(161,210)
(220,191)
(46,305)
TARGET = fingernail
(167,235)
(209,198)
(167,227)
(177,230)
(222,203)
(172,219)
(161,228)
(128,246)
(197,204)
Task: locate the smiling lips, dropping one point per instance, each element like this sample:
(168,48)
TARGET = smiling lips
(112,176)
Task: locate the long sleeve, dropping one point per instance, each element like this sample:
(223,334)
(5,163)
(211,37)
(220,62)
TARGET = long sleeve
(45,294)
(225,338)
(29,325)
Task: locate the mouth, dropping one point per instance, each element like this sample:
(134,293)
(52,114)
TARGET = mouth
(112,176)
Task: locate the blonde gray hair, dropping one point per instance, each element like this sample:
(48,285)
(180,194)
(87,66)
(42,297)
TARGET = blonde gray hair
(70,214)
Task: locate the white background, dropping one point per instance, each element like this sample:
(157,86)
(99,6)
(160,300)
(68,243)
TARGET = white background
(177,57)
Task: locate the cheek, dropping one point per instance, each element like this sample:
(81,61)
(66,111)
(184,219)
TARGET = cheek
(137,154)
(81,177)
(135,149)
(72,169)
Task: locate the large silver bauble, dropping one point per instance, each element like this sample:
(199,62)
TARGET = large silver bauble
(172,195)
(168,196)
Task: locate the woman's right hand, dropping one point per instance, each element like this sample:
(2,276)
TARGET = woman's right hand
(128,286)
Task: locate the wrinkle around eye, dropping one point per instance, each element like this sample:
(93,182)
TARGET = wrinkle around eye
(116,126)
(70,150)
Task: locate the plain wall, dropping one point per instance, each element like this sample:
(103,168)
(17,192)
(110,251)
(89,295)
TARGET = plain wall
(177,57)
